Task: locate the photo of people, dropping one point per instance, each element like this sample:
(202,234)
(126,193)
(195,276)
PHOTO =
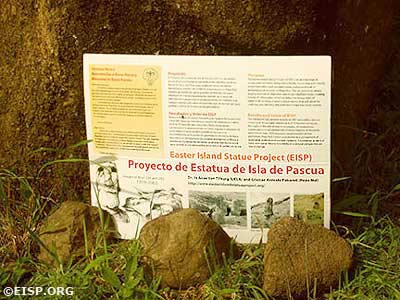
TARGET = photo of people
(267,208)
(107,188)
(226,208)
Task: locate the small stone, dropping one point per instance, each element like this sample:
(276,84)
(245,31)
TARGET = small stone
(175,245)
(63,231)
(297,251)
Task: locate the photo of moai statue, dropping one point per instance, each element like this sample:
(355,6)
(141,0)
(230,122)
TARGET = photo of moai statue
(107,189)
(107,186)
(269,208)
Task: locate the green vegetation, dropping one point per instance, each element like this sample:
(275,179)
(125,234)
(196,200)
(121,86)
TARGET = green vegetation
(115,271)
(118,273)
(377,275)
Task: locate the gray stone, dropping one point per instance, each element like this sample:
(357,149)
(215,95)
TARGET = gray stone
(175,245)
(297,252)
(63,231)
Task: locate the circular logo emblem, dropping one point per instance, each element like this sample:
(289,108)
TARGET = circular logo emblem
(150,75)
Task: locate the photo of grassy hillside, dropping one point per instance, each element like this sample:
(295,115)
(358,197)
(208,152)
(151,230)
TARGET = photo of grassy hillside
(309,208)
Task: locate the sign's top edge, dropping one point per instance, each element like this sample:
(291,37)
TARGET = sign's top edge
(206,56)
(93,58)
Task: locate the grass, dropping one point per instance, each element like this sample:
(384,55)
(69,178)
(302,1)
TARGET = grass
(378,273)
(118,274)
(115,271)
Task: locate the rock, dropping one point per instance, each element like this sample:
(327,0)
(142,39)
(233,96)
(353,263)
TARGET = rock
(353,99)
(63,231)
(175,246)
(296,251)
(268,24)
(37,84)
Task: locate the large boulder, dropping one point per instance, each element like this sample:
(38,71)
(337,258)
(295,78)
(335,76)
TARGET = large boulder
(182,246)
(268,24)
(361,29)
(298,255)
(63,232)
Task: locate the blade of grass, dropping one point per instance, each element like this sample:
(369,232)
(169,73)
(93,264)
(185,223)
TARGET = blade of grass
(58,161)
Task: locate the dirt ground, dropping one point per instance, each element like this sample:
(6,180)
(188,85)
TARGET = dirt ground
(42,43)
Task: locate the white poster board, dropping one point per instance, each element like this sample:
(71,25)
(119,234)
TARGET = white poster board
(245,140)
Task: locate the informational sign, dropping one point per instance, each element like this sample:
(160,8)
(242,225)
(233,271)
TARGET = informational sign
(245,140)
